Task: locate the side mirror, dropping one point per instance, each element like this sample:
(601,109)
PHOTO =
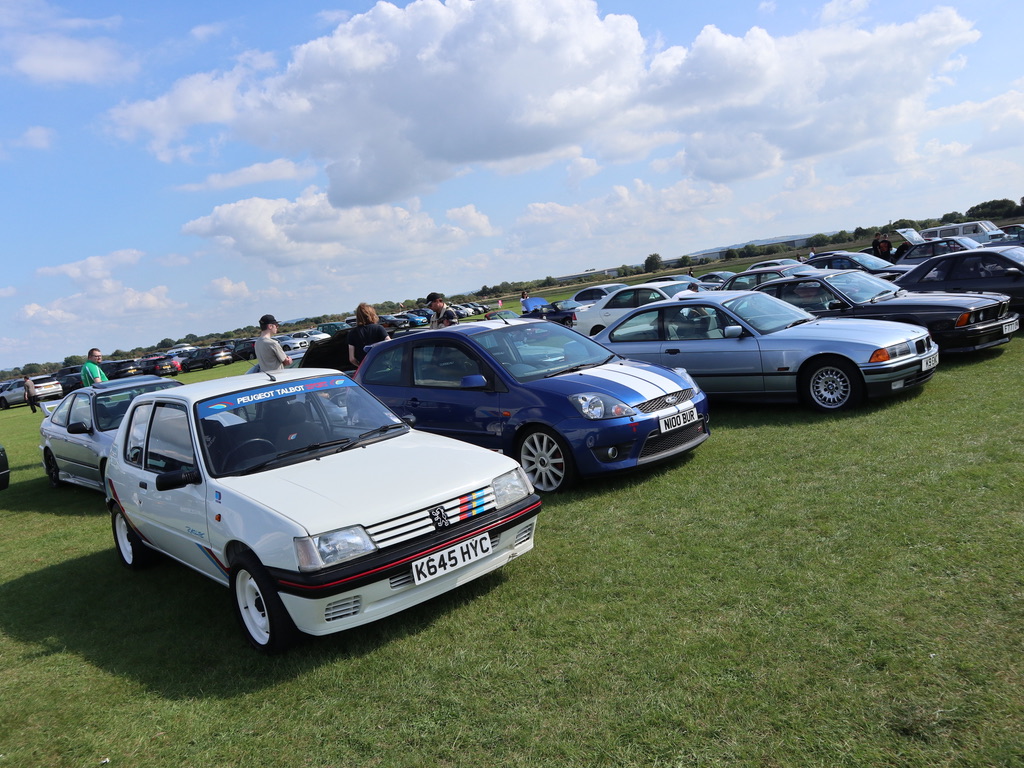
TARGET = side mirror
(410,420)
(475,381)
(836,304)
(732,331)
(179,478)
(1014,273)
(78,428)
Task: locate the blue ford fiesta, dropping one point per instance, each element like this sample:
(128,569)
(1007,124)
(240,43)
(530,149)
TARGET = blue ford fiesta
(557,401)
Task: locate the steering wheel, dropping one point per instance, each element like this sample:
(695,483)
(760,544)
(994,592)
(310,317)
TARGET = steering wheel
(236,454)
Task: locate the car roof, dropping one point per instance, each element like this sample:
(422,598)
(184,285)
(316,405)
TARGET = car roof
(117,384)
(202,390)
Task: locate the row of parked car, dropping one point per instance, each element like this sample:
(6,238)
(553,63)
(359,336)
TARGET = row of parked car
(238,477)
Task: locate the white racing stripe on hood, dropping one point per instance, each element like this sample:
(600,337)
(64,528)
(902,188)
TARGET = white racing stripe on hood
(648,383)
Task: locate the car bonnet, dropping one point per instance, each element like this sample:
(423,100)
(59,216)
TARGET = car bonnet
(631,381)
(876,333)
(357,486)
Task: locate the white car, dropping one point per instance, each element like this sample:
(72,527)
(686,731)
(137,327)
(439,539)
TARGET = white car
(310,335)
(285,489)
(604,312)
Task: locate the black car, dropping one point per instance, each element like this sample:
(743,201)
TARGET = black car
(158,366)
(120,369)
(206,358)
(865,262)
(996,269)
(563,312)
(958,322)
(69,377)
(244,350)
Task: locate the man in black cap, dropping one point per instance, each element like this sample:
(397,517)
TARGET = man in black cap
(268,350)
(443,314)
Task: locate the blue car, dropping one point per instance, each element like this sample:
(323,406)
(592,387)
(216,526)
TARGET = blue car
(561,404)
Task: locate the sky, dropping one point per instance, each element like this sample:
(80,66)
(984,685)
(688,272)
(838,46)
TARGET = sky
(175,168)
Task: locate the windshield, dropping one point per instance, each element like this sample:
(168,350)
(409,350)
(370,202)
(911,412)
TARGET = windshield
(533,351)
(676,286)
(1015,254)
(112,406)
(861,287)
(290,421)
(871,262)
(765,313)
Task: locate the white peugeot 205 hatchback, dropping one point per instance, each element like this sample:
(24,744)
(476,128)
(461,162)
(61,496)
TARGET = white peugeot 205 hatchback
(283,487)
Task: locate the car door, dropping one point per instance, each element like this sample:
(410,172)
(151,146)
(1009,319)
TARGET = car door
(693,336)
(986,271)
(160,439)
(78,454)
(424,380)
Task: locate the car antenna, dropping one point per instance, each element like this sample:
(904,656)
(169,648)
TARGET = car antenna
(270,376)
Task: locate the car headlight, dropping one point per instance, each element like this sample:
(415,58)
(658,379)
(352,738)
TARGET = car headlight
(315,552)
(594,405)
(511,487)
(890,353)
(688,379)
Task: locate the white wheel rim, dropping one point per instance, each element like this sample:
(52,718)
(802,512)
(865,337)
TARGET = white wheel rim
(252,607)
(543,461)
(124,544)
(830,387)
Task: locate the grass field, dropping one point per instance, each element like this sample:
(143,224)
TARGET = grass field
(803,590)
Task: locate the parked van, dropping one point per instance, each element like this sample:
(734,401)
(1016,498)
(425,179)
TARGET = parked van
(982,231)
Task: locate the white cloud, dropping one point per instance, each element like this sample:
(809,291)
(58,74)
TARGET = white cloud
(226,288)
(56,58)
(36,137)
(397,100)
(93,268)
(837,11)
(471,221)
(259,173)
(205,32)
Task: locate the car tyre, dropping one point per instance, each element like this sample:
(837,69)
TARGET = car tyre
(596,330)
(4,405)
(546,460)
(831,384)
(207,365)
(132,553)
(52,470)
(258,607)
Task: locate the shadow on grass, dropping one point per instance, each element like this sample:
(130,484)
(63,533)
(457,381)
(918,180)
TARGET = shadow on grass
(174,632)
(35,496)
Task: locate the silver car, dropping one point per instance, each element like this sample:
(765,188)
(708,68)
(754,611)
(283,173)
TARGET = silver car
(77,432)
(750,345)
(13,392)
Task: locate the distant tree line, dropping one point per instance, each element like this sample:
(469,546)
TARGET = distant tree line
(991,210)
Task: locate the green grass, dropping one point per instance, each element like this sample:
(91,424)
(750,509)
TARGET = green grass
(803,590)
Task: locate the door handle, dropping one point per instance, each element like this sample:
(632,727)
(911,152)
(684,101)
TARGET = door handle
(142,485)
(671,351)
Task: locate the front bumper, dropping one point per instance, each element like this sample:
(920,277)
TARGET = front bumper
(979,336)
(382,584)
(883,379)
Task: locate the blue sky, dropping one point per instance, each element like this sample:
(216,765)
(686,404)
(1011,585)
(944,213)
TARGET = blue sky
(187,167)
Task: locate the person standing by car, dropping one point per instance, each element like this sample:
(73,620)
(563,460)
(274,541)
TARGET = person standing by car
(443,314)
(30,393)
(91,371)
(368,331)
(269,354)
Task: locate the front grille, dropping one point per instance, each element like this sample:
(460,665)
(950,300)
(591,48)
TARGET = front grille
(420,522)
(923,344)
(665,401)
(342,609)
(658,443)
(524,535)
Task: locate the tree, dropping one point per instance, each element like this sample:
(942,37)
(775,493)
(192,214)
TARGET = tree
(817,241)
(73,360)
(652,263)
(993,209)
(952,217)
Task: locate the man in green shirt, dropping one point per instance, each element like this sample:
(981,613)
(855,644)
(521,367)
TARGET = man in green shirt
(91,371)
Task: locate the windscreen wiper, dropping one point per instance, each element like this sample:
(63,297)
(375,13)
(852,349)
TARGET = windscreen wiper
(370,434)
